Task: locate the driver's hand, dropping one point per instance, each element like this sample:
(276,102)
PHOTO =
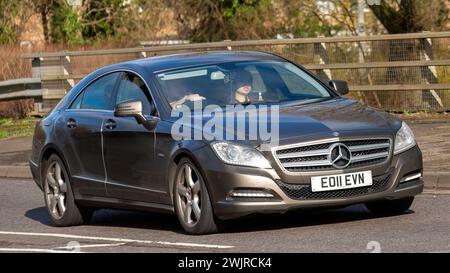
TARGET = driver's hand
(192,97)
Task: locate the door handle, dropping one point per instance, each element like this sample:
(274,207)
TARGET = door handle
(110,124)
(71,123)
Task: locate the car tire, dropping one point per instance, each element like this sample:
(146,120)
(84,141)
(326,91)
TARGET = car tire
(397,206)
(192,201)
(59,198)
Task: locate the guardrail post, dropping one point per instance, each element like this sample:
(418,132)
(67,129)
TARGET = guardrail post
(429,72)
(67,70)
(364,74)
(36,73)
(320,49)
(53,89)
(36,67)
(141,54)
(228,47)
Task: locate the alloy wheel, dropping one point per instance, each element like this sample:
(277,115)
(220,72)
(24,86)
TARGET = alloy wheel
(189,195)
(55,190)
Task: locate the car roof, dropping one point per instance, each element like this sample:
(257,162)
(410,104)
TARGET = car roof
(172,61)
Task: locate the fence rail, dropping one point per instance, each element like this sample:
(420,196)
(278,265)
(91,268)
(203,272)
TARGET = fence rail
(393,72)
(313,67)
(20,89)
(225,44)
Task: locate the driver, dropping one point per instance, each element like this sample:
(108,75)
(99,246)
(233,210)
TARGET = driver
(243,84)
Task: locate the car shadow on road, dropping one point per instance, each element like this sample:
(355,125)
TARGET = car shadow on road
(118,218)
(39,215)
(303,218)
(253,223)
(136,219)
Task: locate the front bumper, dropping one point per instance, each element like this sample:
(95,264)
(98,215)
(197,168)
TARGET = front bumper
(223,179)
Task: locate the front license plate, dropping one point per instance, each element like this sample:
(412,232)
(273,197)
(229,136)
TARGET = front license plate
(341,181)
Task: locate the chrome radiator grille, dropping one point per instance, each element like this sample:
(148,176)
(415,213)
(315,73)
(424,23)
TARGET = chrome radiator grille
(316,157)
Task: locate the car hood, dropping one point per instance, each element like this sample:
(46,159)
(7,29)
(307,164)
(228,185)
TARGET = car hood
(321,120)
(333,118)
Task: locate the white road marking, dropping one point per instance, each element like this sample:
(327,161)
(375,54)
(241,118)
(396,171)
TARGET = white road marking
(119,240)
(40,250)
(93,245)
(61,249)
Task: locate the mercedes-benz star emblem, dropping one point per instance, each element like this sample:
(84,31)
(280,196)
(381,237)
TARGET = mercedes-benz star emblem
(340,156)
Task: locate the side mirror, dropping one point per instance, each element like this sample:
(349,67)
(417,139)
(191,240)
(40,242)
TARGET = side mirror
(340,86)
(131,108)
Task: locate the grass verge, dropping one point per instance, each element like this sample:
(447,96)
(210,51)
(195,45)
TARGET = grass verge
(17,128)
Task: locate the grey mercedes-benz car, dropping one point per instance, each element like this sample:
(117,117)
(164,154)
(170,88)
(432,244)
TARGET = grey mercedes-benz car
(110,143)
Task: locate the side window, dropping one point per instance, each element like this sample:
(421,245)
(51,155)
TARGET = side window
(98,94)
(131,87)
(76,104)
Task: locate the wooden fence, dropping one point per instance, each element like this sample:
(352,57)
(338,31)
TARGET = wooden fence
(401,72)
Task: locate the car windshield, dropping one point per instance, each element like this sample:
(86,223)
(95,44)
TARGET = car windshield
(250,82)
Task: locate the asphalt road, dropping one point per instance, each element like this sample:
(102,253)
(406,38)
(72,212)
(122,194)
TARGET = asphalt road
(25,227)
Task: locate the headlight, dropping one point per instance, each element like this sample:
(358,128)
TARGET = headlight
(404,139)
(240,155)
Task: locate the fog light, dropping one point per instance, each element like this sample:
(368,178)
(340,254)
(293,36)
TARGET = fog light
(251,194)
(411,177)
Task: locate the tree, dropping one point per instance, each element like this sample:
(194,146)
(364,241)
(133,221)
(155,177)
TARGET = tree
(93,20)
(102,18)
(403,17)
(216,20)
(312,18)
(412,15)
(13,17)
(151,20)
(44,8)
(65,23)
